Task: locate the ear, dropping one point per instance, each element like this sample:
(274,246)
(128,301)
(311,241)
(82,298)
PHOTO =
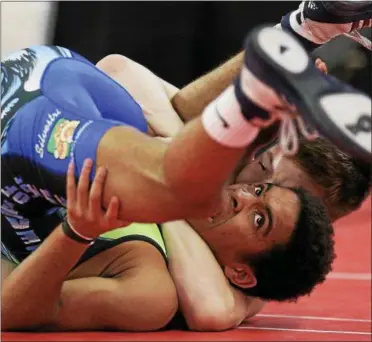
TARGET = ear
(241,275)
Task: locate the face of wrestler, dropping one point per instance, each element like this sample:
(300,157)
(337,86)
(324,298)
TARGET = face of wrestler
(272,166)
(253,219)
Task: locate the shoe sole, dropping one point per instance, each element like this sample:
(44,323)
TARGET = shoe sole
(342,115)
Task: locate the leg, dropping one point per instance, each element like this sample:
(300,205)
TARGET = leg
(69,111)
(316,26)
(338,112)
(152,93)
(316,23)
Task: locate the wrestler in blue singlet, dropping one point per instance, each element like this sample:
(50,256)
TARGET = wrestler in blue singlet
(55,106)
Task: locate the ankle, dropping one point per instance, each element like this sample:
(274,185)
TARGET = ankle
(225,123)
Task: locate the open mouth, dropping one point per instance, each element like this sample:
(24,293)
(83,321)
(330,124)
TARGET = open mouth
(227,212)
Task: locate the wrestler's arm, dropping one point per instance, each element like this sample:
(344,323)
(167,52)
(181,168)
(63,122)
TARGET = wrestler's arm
(188,102)
(191,99)
(207,300)
(37,294)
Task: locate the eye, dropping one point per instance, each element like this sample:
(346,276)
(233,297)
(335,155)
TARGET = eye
(263,168)
(259,220)
(258,189)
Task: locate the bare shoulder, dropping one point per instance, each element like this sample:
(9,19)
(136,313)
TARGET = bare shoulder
(123,259)
(7,267)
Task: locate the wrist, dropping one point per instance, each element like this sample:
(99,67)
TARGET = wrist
(73,234)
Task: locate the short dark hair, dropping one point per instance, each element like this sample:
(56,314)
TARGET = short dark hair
(289,271)
(345,179)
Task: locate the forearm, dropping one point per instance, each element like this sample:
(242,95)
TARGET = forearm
(190,101)
(30,296)
(207,300)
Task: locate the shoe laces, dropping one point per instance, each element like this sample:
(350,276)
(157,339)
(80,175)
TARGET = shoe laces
(290,131)
(364,41)
(292,126)
(355,34)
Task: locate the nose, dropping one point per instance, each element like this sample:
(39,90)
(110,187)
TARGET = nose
(243,196)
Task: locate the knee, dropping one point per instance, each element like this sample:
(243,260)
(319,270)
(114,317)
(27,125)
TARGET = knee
(113,64)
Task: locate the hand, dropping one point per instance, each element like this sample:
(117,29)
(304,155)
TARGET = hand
(84,210)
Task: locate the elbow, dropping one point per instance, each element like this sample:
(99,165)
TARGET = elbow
(9,325)
(113,64)
(255,307)
(219,319)
(13,318)
(211,324)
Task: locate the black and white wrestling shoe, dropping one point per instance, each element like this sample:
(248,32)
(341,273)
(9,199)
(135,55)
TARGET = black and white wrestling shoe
(280,81)
(321,21)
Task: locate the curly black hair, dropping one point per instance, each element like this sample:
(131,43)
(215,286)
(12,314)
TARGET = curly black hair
(289,271)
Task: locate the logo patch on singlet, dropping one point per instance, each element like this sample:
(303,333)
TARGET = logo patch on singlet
(61,138)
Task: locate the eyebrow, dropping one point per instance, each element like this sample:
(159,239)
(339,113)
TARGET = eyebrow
(269,186)
(269,211)
(270,225)
(264,148)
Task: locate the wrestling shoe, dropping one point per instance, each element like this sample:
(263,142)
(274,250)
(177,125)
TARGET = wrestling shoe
(279,81)
(320,21)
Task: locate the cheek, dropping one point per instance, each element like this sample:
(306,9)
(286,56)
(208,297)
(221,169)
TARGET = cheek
(243,237)
(249,240)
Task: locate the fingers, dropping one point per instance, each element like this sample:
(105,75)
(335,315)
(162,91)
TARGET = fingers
(96,193)
(112,213)
(84,205)
(83,186)
(71,186)
(112,209)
